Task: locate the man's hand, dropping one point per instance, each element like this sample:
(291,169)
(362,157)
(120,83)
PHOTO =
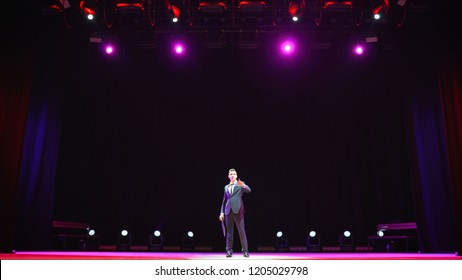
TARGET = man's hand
(221,217)
(240,183)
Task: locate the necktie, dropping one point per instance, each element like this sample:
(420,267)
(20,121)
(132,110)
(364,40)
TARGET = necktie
(231,189)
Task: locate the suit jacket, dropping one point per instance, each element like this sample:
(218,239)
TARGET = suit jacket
(233,201)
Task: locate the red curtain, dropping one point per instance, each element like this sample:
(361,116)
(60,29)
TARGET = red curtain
(15,84)
(451,100)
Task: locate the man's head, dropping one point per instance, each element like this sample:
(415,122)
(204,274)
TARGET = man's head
(232,174)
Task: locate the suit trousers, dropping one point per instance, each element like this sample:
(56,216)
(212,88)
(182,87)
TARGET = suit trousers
(230,220)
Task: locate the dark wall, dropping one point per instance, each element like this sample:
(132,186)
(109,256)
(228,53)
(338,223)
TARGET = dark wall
(147,141)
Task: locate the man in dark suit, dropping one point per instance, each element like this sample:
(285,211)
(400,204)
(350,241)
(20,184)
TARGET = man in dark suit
(232,212)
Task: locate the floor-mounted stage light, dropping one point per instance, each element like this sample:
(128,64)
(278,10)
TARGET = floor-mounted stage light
(313,242)
(156,241)
(188,241)
(91,242)
(346,241)
(124,240)
(282,242)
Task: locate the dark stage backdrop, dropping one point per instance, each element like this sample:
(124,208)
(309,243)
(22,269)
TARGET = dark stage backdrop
(147,143)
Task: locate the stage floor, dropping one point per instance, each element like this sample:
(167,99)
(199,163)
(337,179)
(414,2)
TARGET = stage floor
(54,255)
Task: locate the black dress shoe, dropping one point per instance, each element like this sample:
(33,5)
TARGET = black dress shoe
(229,254)
(246,254)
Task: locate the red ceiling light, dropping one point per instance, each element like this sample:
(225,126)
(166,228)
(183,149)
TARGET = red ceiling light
(342,4)
(174,9)
(252,6)
(89,7)
(296,9)
(58,5)
(212,6)
(380,9)
(332,7)
(130,5)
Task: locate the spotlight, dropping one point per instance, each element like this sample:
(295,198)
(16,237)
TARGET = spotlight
(179,48)
(252,6)
(346,241)
(89,8)
(109,49)
(212,11)
(282,243)
(313,241)
(361,45)
(124,240)
(57,6)
(92,241)
(129,6)
(174,10)
(188,241)
(287,47)
(382,243)
(156,241)
(380,10)
(296,9)
(358,49)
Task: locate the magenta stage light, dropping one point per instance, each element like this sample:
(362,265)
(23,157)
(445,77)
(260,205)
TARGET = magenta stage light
(288,47)
(358,50)
(109,49)
(179,49)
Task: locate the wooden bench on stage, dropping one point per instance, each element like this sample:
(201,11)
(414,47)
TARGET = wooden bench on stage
(71,236)
(396,237)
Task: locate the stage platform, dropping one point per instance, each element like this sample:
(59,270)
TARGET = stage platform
(53,255)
